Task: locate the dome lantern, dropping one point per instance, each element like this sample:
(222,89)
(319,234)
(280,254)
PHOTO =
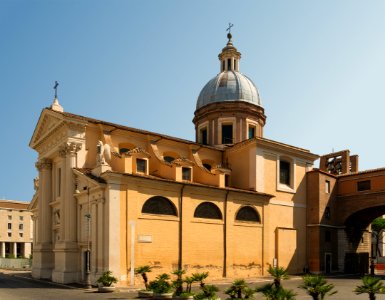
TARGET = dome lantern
(229,57)
(228,109)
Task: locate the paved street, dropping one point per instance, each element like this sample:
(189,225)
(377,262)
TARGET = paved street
(19,286)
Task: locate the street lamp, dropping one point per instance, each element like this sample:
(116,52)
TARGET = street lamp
(88,251)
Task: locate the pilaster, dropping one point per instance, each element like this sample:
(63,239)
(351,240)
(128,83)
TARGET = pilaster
(2,249)
(43,255)
(66,250)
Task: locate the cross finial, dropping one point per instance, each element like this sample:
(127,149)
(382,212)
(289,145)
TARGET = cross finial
(229,28)
(55,88)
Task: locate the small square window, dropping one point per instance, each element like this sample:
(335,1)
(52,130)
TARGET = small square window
(327,187)
(9,234)
(21,227)
(141,165)
(363,185)
(21,218)
(9,218)
(9,226)
(21,234)
(186,173)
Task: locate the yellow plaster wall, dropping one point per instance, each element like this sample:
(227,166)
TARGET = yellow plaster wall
(202,238)
(240,167)
(270,168)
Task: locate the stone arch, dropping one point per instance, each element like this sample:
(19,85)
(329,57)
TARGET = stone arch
(208,210)
(159,205)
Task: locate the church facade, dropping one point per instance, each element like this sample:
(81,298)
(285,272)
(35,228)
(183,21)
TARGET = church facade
(111,197)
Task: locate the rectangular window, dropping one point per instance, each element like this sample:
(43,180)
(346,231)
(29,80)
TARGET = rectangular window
(284,172)
(9,234)
(59,182)
(186,173)
(141,165)
(363,185)
(327,187)
(20,234)
(21,226)
(328,236)
(228,64)
(9,226)
(9,218)
(227,134)
(251,132)
(227,180)
(204,140)
(21,218)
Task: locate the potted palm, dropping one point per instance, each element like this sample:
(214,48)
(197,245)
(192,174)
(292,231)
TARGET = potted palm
(275,290)
(371,286)
(143,270)
(106,281)
(180,292)
(161,286)
(208,292)
(239,290)
(317,286)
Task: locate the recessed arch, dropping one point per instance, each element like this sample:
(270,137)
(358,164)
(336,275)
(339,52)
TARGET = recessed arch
(249,214)
(159,205)
(125,147)
(208,164)
(208,210)
(170,156)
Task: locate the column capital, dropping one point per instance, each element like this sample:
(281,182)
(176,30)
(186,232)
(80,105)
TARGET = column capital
(44,163)
(69,148)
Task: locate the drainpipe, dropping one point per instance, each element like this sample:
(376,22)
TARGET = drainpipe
(180,252)
(224,274)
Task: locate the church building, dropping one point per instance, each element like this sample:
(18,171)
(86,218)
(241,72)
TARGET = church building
(233,202)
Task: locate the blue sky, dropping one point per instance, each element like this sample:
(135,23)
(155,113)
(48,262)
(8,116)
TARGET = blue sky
(319,67)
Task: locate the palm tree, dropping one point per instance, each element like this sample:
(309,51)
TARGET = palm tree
(200,277)
(316,286)
(278,273)
(371,286)
(143,270)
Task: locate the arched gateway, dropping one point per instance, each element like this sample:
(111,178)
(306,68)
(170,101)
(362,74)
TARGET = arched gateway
(342,203)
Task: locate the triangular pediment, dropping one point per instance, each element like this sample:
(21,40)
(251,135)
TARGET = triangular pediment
(47,123)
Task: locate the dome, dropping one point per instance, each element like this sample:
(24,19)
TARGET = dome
(229,86)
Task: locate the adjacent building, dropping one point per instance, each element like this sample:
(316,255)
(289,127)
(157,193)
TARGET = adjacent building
(16,229)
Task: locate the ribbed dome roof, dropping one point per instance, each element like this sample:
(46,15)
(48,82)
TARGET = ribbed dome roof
(229,86)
